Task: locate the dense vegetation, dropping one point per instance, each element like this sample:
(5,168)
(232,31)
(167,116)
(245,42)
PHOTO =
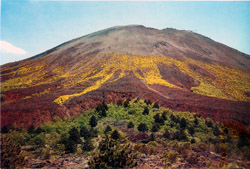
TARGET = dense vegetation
(128,131)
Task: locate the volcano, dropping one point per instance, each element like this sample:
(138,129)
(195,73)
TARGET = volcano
(178,69)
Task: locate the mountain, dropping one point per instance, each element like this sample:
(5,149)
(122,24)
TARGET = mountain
(178,69)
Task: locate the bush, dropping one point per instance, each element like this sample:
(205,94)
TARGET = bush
(130,125)
(115,135)
(145,111)
(108,129)
(11,153)
(155,128)
(93,121)
(113,154)
(142,127)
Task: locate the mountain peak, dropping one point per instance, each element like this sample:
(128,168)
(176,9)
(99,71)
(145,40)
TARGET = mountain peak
(179,69)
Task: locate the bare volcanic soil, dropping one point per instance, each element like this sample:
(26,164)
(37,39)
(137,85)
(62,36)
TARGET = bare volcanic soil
(178,69)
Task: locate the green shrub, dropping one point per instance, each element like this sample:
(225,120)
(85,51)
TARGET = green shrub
(145,111)
(87,145)
(156,105)
(115,135)
(155,128)
(130,125)
(108,129)
(11,153)
(84,132)
(183,123)
(166,134)
(93,121)
(131,112)
(142,127)
(113,154)
(4,129)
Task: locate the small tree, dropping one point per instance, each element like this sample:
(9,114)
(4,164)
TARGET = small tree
(226,131)
(108,129)
(155,128)
(173,118)
(113,154)
(84,132)
(192,141)
(216,131)
(93,121)
(38,130)
(70,146)
(209,123)
(31,129)
(166,134)
(142,127)
(130,125)
(126,103)
(191,130)
(148,102)
(119,103)
(164,116)
(158,119)
(87,145)
(103,113)
(156,105)
(152,137)
(183,122)
(5,129)
(196,121)
(74,135)
(145,111)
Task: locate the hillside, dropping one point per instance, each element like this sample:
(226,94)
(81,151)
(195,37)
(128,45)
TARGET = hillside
(178,69)
(131,134)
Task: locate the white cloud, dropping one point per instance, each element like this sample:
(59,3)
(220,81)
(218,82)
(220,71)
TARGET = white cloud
(7,47)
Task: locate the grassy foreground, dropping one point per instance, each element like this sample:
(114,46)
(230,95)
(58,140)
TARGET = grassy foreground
(135,133)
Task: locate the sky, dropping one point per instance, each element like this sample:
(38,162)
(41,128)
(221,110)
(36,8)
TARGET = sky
(29,27)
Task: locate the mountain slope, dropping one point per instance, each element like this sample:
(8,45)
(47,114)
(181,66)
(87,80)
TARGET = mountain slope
(179,69)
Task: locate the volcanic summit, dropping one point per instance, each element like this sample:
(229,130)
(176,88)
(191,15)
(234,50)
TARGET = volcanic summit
(178,69)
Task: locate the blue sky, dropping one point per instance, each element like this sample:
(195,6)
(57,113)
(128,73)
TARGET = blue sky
(29,27)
